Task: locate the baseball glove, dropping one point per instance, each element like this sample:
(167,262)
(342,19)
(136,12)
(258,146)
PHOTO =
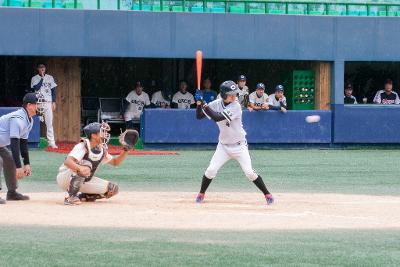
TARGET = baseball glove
(128,139)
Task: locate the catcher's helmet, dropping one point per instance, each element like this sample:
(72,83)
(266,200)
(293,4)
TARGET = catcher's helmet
(92,128)
(228,88)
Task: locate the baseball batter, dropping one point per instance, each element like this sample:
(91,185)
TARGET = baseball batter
(45,85)
(77,174)
(258,100)
(227,113)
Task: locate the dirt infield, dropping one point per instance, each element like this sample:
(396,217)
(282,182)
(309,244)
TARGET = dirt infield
(221,211)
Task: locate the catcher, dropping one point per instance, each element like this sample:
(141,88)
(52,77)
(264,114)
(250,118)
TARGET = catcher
(76,175)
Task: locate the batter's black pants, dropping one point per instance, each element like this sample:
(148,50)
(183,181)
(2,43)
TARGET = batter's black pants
(9,169)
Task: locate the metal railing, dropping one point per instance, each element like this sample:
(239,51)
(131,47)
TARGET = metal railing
(221,6)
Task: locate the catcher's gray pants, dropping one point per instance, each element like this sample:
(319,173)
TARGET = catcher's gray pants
(94,186)
(9,169)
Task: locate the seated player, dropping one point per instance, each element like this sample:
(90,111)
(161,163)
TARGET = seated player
(232,144)
(183,99)
(160,100)
(387,96)
(136,101)
(258,100)
(76,175)
(277,101)
(348,95)
(208,94)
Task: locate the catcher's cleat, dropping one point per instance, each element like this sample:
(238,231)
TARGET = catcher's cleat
(89,197)
(72,200)
(270,199)
(2,201)
(200,198)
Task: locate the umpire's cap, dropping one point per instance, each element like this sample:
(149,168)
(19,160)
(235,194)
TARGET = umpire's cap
(280,88)
(260,86)
(228,88)
(30,98)
(92,128)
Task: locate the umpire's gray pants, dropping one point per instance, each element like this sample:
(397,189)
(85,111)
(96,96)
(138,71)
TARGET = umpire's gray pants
(9,169)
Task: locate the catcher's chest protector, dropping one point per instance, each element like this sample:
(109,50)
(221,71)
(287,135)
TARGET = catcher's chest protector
(94,155)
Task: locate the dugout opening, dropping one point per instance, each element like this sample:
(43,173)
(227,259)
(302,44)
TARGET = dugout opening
(79,78)
(369,77)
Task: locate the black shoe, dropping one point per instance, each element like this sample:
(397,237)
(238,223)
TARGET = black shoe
(2,201)
(89,197)
(16,196)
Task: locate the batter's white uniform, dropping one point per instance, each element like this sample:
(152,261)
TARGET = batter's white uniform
(95,185)
(46,88)
(232,140)
(183,100)
(158,100)
(136,105)
(258,101)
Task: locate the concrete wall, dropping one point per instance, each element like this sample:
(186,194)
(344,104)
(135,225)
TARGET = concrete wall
(179,35)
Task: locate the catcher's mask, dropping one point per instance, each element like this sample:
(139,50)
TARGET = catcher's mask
(102,128)
(40,104)
(104,132)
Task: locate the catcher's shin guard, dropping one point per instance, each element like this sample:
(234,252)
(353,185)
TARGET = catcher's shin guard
(75,184)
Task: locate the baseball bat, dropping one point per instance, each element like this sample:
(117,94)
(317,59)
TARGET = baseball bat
(199,61)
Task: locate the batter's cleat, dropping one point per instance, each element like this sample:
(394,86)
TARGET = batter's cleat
(72,200)
(270,199)
(16,196)
(200,198)
(2,201)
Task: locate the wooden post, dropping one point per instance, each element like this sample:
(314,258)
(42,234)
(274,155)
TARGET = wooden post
(323,85)
(67,117)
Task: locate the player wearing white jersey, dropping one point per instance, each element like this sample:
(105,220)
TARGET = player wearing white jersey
(258,100)
(45,85)
(232,144)
(77,172)
(137,100)
(159,101)
(183,99)
(277,101)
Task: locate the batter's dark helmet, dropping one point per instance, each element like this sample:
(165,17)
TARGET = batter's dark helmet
(228,88)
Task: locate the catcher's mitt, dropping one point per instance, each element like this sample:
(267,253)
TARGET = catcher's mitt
(128,139)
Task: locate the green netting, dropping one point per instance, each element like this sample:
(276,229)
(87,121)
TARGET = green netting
(237,8)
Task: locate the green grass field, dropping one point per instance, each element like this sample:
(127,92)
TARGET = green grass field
(373,172)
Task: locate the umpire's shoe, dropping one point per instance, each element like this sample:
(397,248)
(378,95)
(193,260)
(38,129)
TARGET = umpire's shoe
(14,195)
(2,201)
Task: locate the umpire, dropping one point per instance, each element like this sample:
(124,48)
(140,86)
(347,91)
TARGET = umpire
(14,132)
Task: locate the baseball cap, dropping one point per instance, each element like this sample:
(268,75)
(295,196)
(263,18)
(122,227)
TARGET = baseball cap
(260,86)
(30,98)
(279,87)
(242,78)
